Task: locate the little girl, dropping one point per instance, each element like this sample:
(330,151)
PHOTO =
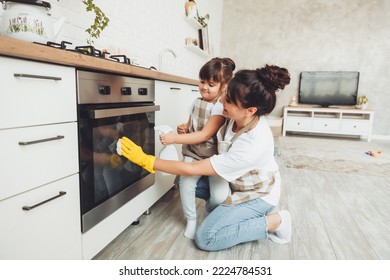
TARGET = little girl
(199,140)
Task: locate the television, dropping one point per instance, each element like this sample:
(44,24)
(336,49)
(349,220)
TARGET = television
(328,88)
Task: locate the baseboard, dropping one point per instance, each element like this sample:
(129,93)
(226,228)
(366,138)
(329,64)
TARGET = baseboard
(381,137)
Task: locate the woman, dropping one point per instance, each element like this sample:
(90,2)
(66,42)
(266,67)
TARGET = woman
(245,159)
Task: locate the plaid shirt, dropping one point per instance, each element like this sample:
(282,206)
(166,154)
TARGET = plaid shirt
(252,185)
(201,113)
(255,183)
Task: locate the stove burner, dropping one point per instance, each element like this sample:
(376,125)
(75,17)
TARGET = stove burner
(62,45)
(88,50)
(118,57)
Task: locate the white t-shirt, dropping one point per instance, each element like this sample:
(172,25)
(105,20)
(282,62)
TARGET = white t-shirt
(253,150)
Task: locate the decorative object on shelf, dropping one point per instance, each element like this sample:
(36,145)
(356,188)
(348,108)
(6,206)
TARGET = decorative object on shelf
(362,102)
(294,102)
(203,20)
(191,42)
(204,39)
(100,23)
(192,12)
(191,9)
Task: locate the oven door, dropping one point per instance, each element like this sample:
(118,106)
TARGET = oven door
(107,180)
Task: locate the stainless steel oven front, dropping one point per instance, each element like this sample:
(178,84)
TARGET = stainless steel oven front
(109,107)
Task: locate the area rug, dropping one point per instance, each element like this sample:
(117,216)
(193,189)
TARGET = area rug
(336,155)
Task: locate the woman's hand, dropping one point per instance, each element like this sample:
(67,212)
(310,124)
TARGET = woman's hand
(168,138)
(182,128)
(134,153)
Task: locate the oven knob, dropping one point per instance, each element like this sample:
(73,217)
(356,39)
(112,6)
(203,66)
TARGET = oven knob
(126,91)
(105,90)
(142,91)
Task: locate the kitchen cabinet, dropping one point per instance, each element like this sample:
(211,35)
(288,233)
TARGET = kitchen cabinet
(175,100)
(48,231)
(39,198)
(338,121)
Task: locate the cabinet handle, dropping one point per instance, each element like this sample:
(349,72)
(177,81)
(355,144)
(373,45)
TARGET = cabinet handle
(175,88)
(28,208)
(25,143)
(195,90)
(21,75)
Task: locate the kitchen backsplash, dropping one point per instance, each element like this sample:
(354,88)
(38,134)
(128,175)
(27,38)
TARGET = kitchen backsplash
(142,29)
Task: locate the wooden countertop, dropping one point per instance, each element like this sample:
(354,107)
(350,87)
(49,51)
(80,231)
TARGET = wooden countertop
(32,51)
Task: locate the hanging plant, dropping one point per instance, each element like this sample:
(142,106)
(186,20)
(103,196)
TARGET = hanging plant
(100,23)
(203,20)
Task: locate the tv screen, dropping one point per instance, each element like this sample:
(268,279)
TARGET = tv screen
(329,88)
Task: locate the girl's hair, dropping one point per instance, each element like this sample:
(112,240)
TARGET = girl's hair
(257,88)
(220,70)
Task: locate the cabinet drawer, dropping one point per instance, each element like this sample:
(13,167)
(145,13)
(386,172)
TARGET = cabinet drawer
(355,126)
(29,163)
(327,125)
(48,231)
(298,124)
(34,93)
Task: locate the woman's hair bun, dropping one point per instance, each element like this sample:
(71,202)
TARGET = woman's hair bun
(274,75)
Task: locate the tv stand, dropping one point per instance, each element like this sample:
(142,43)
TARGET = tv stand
(331,121)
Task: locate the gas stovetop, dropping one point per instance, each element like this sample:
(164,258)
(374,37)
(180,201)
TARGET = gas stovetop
(92,51)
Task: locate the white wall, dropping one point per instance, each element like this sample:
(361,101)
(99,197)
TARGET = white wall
(142,28)
(304,35)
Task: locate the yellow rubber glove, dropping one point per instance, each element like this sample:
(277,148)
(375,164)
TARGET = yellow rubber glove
(135,154)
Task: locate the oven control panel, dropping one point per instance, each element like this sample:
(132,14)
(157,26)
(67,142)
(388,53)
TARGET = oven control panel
(100,88)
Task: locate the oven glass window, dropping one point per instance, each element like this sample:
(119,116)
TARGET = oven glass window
(103,173)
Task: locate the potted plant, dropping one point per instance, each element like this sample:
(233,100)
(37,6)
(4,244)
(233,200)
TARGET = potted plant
(362,102)
(203,20)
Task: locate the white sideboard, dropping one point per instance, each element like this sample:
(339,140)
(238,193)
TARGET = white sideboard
(337,121)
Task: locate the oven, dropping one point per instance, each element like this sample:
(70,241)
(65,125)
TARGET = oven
(111,106)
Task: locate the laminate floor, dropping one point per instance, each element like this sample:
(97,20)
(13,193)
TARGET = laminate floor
(336,216)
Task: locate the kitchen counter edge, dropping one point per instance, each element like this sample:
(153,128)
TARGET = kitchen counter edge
(31,51)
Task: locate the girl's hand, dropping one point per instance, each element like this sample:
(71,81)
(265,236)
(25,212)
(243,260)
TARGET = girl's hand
(168,138)
(182,128)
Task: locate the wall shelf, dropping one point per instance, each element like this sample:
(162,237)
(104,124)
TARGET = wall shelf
(197,50)
(193,22)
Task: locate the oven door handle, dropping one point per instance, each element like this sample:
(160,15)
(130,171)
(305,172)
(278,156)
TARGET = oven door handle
(117,112)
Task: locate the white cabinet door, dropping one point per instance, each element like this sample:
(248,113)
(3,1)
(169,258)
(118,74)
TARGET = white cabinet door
(34,93)
(36,155)
(351,126)
(298,123)
(51,230)
(174,100)
(326,125)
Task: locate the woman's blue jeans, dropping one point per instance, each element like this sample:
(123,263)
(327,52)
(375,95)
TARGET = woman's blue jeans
(227,226)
